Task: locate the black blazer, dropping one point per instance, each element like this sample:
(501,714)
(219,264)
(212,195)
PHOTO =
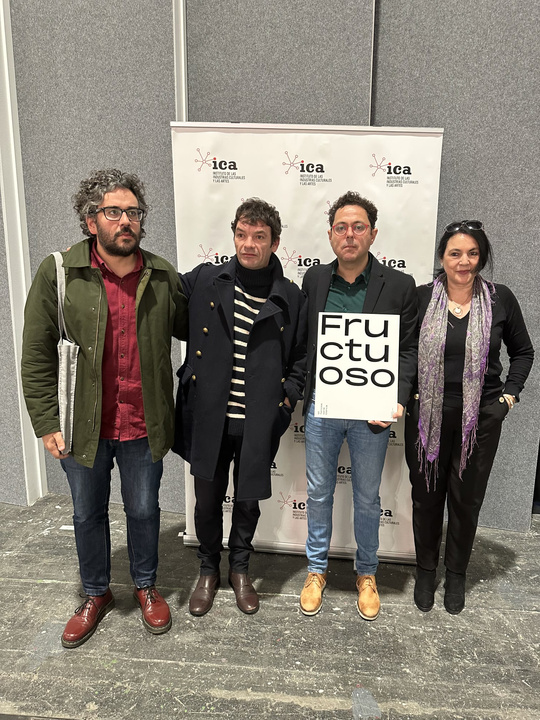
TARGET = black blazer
(389,292)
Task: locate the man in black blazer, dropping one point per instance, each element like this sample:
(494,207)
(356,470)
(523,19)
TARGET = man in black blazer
(354,282)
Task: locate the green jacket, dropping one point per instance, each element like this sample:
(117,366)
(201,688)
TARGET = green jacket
(161,309)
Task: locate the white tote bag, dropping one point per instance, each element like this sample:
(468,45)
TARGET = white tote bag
(67,361)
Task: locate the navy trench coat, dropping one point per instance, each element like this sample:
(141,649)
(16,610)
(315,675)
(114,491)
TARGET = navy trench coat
(275,369)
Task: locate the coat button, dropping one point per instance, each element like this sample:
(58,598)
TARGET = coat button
(212,305)
(281,329)
(280,404)
(198,353)
(205,331)
(416,396)
(282,380)
(501,399)
(193,377)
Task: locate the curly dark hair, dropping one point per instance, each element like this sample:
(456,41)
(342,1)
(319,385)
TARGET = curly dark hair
(255,210)
(353,198)
(92,191)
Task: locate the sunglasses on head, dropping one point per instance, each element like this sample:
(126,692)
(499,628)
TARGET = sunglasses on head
(469,224)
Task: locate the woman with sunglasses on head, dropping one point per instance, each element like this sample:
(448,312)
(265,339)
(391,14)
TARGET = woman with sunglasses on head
(453,422)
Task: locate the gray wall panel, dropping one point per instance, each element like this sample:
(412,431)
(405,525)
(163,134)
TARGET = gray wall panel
(473,69)
(12,488)
(95,88)
(279,62)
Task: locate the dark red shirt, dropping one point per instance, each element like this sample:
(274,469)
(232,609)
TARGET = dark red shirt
(122,414)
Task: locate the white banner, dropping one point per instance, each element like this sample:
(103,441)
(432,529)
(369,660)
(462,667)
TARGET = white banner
(357,366)
(302,170)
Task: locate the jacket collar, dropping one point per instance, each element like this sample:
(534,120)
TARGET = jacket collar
(374,288)
(277,297)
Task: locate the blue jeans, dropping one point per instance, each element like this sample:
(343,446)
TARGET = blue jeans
(324,438)
(91,488)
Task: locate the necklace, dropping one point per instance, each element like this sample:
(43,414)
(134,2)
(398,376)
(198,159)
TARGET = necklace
(457,310)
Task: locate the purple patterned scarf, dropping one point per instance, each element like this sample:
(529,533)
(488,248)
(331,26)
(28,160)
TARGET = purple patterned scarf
(431,345)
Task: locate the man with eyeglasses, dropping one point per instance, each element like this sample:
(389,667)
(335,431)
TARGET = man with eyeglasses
(354,282)
(122,307)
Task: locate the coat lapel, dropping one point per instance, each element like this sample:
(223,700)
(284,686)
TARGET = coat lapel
(224,284)
(277,301)
(374,288)
(323,287)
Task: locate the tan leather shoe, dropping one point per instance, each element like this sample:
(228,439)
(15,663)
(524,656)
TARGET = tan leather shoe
(368,604)
(311,595)
(87,617)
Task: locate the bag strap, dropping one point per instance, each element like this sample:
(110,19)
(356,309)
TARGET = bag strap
(61,290)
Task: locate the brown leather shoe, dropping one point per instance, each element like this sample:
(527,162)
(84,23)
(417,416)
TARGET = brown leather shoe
(87,617)
(246,595)
(202,597)
(311,596)
(156,615)
(368,604)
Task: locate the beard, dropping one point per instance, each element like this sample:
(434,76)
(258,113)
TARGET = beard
(120,247)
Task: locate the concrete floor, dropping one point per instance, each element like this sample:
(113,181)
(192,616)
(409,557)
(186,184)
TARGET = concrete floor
(277,664)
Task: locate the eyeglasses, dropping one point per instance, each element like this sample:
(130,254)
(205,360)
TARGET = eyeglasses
(341,228)
(469,224)
(133,214)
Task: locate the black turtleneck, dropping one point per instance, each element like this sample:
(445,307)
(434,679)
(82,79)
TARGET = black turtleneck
(257,282)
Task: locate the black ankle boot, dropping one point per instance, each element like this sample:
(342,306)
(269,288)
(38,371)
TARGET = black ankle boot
(424,589)
(454,596)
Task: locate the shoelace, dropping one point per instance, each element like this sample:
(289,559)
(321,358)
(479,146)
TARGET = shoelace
(314,578)
(150,595)
(368,583)
(87,602)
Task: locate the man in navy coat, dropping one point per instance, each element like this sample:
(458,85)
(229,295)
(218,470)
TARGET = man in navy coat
(354,282)
(243,374)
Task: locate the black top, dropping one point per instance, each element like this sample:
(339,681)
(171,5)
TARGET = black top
(454,359)
(507,327)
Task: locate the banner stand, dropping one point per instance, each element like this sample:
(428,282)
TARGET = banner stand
(302,170)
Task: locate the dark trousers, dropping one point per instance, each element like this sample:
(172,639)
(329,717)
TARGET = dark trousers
(464,496)
(209,497)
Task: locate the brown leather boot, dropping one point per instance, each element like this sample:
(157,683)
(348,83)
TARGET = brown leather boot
(246,595)
(202,597)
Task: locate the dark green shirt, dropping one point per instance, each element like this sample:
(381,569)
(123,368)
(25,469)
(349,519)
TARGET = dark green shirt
(347,297)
